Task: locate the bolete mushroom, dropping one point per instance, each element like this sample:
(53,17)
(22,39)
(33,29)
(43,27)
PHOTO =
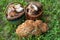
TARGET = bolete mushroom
(33,10)
(14,11)
(30,27)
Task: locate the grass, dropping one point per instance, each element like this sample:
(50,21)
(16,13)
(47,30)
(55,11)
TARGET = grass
(51,15)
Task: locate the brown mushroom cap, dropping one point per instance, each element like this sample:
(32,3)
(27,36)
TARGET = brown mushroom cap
(42,26)
(30,27)
(25,28)
(39,12)
(16,14)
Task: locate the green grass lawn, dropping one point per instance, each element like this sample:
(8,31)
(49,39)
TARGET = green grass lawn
(51,15)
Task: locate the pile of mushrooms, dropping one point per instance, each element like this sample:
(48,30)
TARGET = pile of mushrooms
(33,10)
(14,11)
(30,27)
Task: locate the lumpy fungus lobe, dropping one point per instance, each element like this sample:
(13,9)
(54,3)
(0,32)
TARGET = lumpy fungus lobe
(30,27)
